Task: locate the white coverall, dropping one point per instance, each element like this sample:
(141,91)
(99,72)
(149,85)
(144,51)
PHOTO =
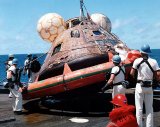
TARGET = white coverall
(17,96)
(9,65)
(144,94)
(119,89)
(27,67)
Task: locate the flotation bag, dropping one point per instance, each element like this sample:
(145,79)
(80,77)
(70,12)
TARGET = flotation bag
(133,54)
(123,117)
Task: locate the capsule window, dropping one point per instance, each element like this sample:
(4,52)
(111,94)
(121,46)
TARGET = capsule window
(56,49)
(75,22)
(113,42)
(97,32)
(75,33)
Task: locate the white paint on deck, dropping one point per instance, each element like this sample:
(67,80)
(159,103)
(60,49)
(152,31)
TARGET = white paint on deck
(79,120)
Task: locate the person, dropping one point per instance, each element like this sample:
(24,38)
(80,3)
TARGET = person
(117,78)
(14,87)
(34,68)
(8,64)
(27,65)
(121,49)
(122,114)
(146,68)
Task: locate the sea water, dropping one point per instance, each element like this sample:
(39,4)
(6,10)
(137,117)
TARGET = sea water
(21,58)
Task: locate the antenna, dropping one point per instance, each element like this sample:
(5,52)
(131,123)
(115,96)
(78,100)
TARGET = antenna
(81,10)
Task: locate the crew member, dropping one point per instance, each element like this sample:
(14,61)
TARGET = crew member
(122,114)
(146,68)
(14,87)
(117,78)
(35,67)
(8,64)
(27,64)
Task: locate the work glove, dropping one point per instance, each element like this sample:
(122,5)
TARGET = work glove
(107,86)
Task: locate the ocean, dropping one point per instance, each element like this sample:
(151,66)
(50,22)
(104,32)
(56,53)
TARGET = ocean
(21,58)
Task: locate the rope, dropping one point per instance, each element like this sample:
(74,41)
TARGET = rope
(34,60)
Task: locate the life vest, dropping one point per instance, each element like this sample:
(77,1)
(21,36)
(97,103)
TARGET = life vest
(123,117)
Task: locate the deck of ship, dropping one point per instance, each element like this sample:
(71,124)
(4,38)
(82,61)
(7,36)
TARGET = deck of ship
(94,108)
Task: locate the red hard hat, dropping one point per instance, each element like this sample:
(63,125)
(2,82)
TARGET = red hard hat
(119,100)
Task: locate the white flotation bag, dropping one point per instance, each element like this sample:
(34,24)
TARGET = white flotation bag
(50,26)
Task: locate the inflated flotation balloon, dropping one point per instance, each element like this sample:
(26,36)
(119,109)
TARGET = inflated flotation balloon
(133,54)
(50,25)
(102,20)
(121,50)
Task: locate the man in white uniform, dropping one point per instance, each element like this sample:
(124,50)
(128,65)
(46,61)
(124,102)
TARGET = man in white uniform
(14,88)
(27,66)
(147,69)
(35,67)
(8,64)
(116,78)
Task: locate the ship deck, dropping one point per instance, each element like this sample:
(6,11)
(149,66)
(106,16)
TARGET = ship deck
(93,108)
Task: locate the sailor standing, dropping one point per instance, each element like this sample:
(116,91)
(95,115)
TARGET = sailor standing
(27,64)
(147,69)
(116,78)
(8,64)
(14,87)
(34,69)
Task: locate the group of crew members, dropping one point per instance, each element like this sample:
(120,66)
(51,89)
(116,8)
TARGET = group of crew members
(14,75)
(146,70)
(122,114)
(31,67)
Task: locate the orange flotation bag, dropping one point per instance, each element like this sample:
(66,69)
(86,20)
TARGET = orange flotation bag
(123,117)
(133,54)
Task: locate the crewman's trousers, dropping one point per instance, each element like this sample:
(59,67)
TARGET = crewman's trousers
(144,94)
(17,99)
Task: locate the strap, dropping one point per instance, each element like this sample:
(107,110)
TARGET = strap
(118,83)
(120,69)
(15,75)
(146,61)
(140,64)
(149,66)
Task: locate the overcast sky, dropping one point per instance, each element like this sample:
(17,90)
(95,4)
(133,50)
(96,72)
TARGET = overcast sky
(135,22)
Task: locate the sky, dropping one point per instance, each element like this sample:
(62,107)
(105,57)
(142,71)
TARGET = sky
(135,22)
